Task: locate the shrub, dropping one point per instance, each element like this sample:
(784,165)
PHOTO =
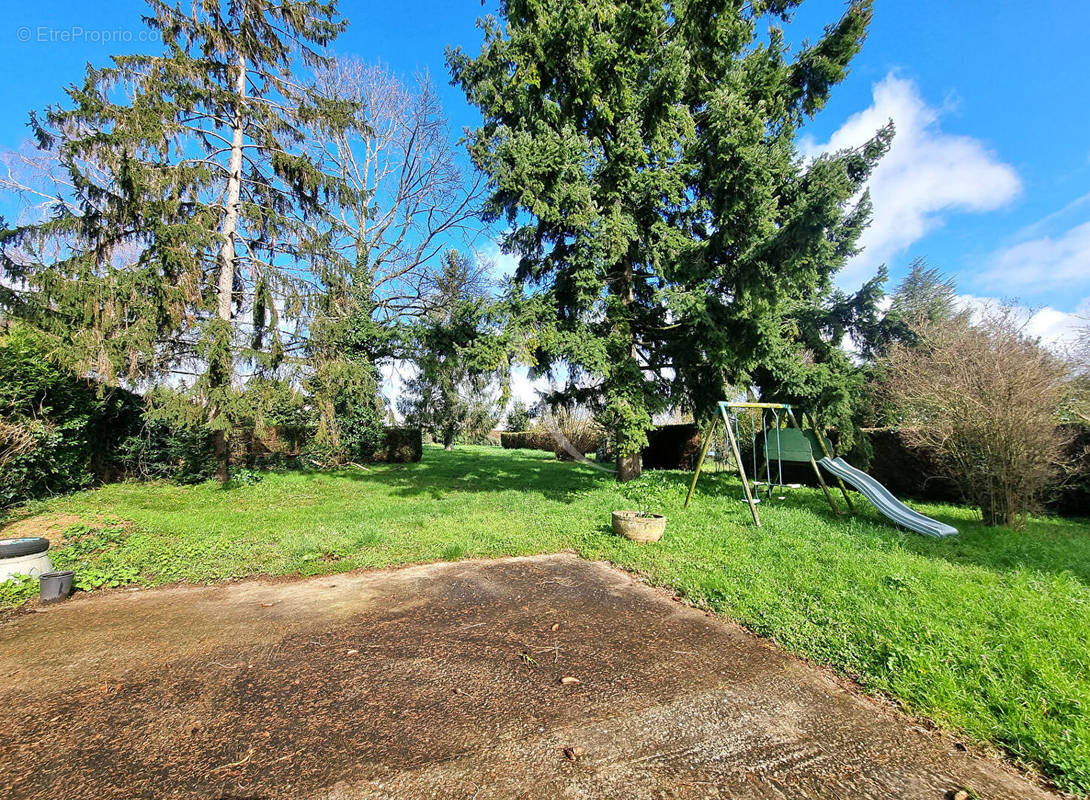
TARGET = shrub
(518,418)
(58,432)
(169,449)
(359,420)
(573,433)
(400,445)
(981,398)
(672,447)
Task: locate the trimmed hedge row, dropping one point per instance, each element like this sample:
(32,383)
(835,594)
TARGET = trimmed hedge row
(672,447)
(400,446)
(527,440)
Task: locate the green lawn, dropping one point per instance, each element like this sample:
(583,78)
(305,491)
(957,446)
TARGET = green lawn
(988,633)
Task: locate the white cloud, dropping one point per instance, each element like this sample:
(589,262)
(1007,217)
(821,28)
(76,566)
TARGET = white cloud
(926,175)
(503,264)
(1056,329)
(1043,264)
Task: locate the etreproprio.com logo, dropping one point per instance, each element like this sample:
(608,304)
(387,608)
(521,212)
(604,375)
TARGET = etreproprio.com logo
(76,34)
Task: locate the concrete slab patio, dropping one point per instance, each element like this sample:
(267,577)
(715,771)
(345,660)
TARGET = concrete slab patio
(443,680)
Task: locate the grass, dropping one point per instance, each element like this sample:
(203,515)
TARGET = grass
(985,633)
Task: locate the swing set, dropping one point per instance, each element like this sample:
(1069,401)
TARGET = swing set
(783,440)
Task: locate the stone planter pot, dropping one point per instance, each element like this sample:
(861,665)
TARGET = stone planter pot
(633,525)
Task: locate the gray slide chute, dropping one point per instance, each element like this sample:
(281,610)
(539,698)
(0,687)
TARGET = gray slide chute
(884,500)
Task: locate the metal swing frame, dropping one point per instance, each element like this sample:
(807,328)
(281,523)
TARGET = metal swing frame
(728,410)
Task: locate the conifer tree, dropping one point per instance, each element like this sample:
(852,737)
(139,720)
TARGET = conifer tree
(189,204)
(460,357)
(643,155)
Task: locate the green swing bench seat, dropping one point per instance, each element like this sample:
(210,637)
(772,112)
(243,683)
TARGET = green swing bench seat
(793,444)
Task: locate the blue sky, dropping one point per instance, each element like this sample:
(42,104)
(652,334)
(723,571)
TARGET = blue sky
(989,178)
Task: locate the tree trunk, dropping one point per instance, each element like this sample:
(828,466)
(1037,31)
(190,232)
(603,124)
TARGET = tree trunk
(223,456)
(629,467)
(225,279)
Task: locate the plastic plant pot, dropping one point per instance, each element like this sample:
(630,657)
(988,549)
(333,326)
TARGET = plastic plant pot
(55,586)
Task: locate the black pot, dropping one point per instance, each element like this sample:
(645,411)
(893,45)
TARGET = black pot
(55,586)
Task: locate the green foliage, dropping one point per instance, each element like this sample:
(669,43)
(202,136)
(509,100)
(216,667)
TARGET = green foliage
(360,422)
(345,345)
(645,491)
(644,155)
(242,476)
(806,364)
(184,193)
(400,445)
(94,554)
(518,417)
(985,633)
(59,432)
(17,589)
(924,297)
(459,357)
(169,449)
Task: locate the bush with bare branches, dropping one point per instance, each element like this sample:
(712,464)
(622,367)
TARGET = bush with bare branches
(574,432)
(981,397)
(15,440)
(1077,406)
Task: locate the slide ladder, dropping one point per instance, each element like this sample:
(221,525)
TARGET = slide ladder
(884,500)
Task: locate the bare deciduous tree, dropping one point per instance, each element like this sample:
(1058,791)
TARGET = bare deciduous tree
(407,194)
(1078,404)
(403,196)
(981,397)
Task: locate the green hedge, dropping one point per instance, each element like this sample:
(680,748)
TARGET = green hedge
(527,440)
(401,445)
(58,432)
(672,447)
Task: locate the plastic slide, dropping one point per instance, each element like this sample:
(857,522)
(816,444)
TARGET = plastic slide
(884,500)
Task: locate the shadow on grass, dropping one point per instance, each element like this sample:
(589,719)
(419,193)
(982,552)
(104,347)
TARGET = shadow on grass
(1050,546)
(442,473)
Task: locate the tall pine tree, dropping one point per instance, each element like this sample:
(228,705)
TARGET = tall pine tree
(190,202)
(643,154)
